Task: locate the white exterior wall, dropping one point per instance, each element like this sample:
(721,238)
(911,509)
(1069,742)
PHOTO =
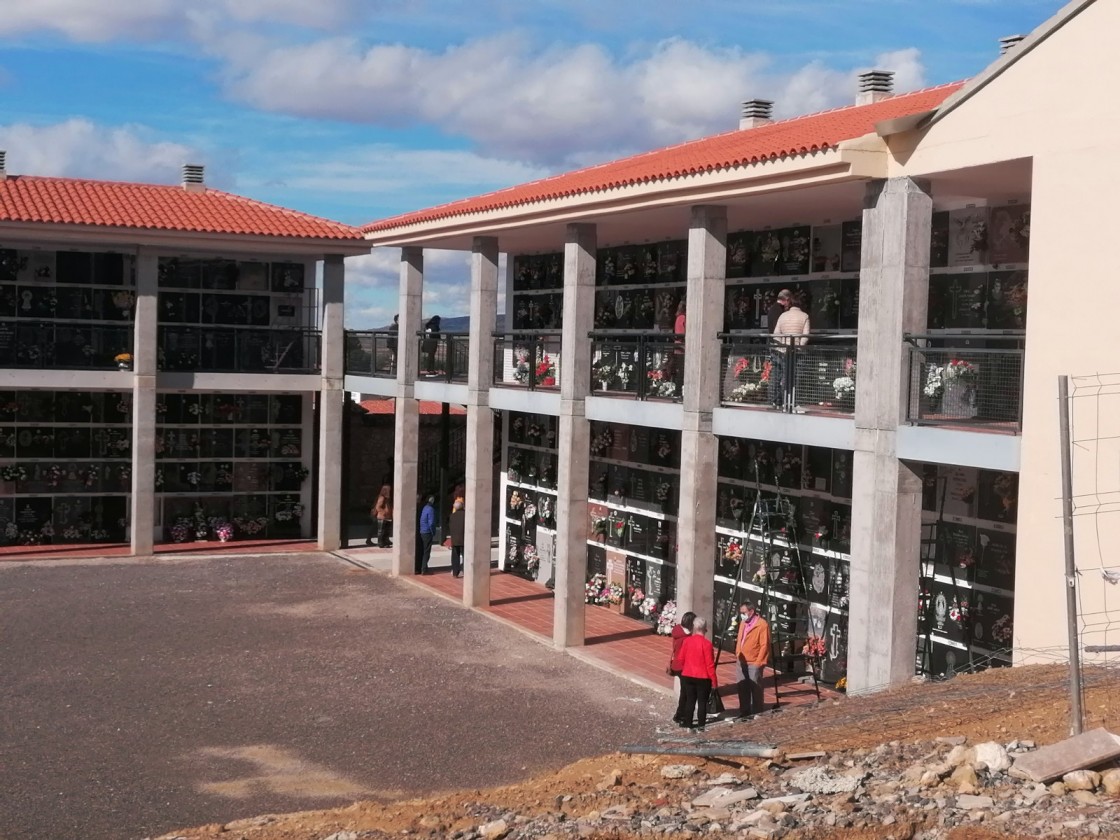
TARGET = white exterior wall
(1056,106)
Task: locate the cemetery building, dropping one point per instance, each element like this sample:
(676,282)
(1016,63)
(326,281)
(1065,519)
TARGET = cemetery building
(170,369)
(891,485)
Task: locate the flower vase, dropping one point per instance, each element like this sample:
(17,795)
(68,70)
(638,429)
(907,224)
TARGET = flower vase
(124,366)
(959,400)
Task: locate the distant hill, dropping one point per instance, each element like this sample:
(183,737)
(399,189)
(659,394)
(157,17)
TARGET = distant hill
(462,323)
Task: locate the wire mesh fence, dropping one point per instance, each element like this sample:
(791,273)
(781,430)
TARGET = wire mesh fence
(371,353)
(644,365)
(960,379)
(791,374)
(528,359)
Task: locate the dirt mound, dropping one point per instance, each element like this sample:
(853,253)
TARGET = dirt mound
(1000,705)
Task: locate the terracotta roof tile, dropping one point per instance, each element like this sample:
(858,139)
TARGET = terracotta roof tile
(28,198)
(787,138)
(387,405)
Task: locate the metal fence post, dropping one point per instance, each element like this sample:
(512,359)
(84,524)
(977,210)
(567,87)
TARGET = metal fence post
(1076,714)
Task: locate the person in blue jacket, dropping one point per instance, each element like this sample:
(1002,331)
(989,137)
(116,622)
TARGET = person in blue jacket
(427,532)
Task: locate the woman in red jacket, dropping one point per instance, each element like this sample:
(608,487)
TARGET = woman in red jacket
(698,675)
(679,634)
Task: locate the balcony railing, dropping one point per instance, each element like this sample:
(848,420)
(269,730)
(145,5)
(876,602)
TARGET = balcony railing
(797,374)
(961,379)
(239,350)
(371,353)
(49,344)
(643,365)
(445,356)
(527,359)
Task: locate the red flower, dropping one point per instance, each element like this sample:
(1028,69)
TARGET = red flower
(766,368)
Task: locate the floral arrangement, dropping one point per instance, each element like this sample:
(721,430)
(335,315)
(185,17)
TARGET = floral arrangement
(515,501)
(180,531)
(193,478)
(845,386)
(71,533)
(290,514)
(660,384)
(529,512)
(667,619)
(733,552)
(223,476)
(55,474)
(13,473)
(602,442)
(637,595)
(194,409)
(224,531)
(251,525)
(301,472)
(815,646)
(842,684)
(958,610)
(534,431)
(1001,630)
(159,476)
(604,373)
(661,492)
(544,370)
(649,608)
(123,301)
(598,591)
(11,531)
(514,471)
(599,526)
(90,476)
(532,559)
(743,391)
(664,449)
(938,376)
(123,358)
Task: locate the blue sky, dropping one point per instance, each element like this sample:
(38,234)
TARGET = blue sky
(360,109)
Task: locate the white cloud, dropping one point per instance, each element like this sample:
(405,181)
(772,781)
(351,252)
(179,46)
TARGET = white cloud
(97,20)
(555,106)
(78,148)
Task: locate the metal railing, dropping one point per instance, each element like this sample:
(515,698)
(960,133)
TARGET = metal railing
(371,353)
(527,359)
(48,344)
(793,374)
(966,379)
(239,349)
(643,365)
(444,356)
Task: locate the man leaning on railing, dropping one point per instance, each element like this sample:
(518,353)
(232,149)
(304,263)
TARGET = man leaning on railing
(791,330)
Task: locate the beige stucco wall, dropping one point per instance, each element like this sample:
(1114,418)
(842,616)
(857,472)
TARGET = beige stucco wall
(1057,106)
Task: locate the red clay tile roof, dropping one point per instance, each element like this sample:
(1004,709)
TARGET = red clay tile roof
(787,138)
(29,198)
(387,405)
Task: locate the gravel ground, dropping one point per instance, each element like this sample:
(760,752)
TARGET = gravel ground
(141,696)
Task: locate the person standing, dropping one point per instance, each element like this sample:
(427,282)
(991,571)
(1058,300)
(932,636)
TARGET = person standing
(382,518)
(791,331)
(431,344)
(752,655)
(679,634)
(457,525)
(698,675)
(776,386)
(393,329)
(427,526)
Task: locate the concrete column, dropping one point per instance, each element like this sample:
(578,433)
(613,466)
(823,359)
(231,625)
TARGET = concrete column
(406,440)
(145,351)
(480,422)
(331,405)
(696,519)
(574,443)
(886,494)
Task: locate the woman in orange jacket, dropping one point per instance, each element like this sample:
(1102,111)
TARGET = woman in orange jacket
(752,655)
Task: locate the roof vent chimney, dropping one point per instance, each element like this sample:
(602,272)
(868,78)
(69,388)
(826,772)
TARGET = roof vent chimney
(1009,43)
(193,177)
(875,85)
(3,164)
(756,112)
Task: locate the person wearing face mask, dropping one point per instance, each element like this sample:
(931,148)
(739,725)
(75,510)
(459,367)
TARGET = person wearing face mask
(752,655)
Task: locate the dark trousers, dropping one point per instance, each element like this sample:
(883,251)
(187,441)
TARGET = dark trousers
(695,691)
(385,533)
(679,716)
(777,387)
(425,553)
(456,559)
(750,689)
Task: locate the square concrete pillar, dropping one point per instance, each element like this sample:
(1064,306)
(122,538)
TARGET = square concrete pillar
(696,518)
(406,441)
(886,494)
(480,422)
(145,351)
(331,406)
(574,442)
